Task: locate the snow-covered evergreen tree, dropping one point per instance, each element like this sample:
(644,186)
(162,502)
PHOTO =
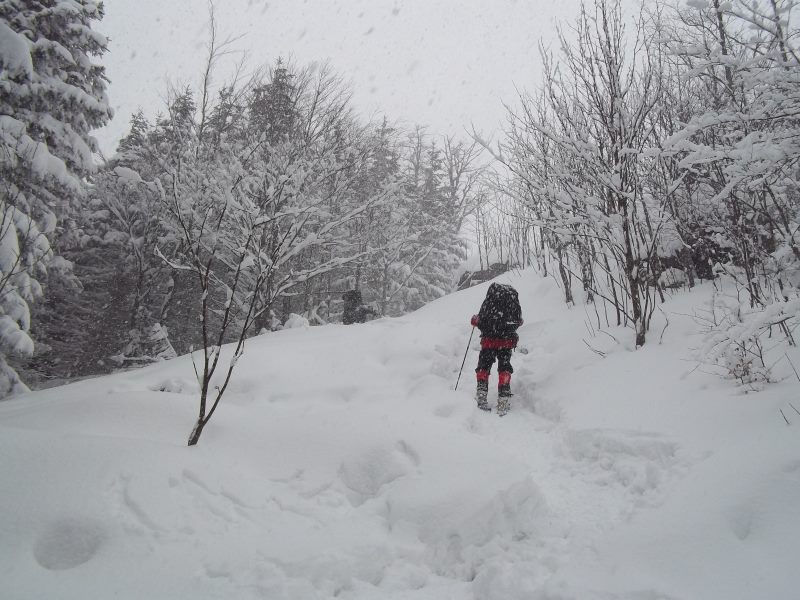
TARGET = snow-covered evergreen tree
(414,240)
(52,95)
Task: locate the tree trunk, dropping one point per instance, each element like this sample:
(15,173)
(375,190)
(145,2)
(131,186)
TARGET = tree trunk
(587,273)
(632,275)
(565,277)
(198,429)
(202,419)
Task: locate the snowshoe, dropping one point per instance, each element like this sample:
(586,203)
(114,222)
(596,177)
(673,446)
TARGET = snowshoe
(503,406)
(481,395)
(503,400)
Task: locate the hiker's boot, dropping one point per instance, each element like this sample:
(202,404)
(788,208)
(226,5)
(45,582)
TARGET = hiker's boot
(482,391)
(504,393)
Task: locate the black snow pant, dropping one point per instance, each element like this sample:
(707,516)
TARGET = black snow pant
(487,357)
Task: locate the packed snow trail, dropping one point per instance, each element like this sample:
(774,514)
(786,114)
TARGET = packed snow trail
(341,464)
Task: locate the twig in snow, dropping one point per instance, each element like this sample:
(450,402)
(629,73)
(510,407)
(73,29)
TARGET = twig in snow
(609,335)
(793,368)
(661,339)
(595,350)
(589,327)
(794,408)
(784,416)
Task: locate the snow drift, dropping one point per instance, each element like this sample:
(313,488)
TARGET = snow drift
(342,464)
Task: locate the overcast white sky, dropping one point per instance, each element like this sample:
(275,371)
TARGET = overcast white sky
(444,63)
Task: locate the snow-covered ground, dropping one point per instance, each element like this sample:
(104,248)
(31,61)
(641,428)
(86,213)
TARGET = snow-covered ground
(341,463)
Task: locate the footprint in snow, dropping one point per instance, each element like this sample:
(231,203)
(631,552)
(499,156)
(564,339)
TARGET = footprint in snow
(366,474)
(69,542)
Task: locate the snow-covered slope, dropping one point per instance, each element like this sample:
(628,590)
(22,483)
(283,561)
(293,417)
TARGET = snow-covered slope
(342,464)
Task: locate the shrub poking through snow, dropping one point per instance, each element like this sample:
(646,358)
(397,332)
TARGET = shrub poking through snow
(744,340)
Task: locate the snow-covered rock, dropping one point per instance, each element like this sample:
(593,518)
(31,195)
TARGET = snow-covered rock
(294,321)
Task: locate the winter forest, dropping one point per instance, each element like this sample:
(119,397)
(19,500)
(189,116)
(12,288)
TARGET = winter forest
(658,150)
(658,153)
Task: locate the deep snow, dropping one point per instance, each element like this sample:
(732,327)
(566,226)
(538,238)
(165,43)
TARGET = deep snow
(342,464)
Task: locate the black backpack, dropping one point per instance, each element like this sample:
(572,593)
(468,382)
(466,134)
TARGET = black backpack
(500,313)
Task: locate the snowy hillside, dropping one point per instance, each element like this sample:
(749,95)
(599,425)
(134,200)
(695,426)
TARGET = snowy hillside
(342,464)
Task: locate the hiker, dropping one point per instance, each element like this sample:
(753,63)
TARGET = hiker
(498,319)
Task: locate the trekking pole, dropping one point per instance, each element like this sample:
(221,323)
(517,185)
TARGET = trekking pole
(465,357)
